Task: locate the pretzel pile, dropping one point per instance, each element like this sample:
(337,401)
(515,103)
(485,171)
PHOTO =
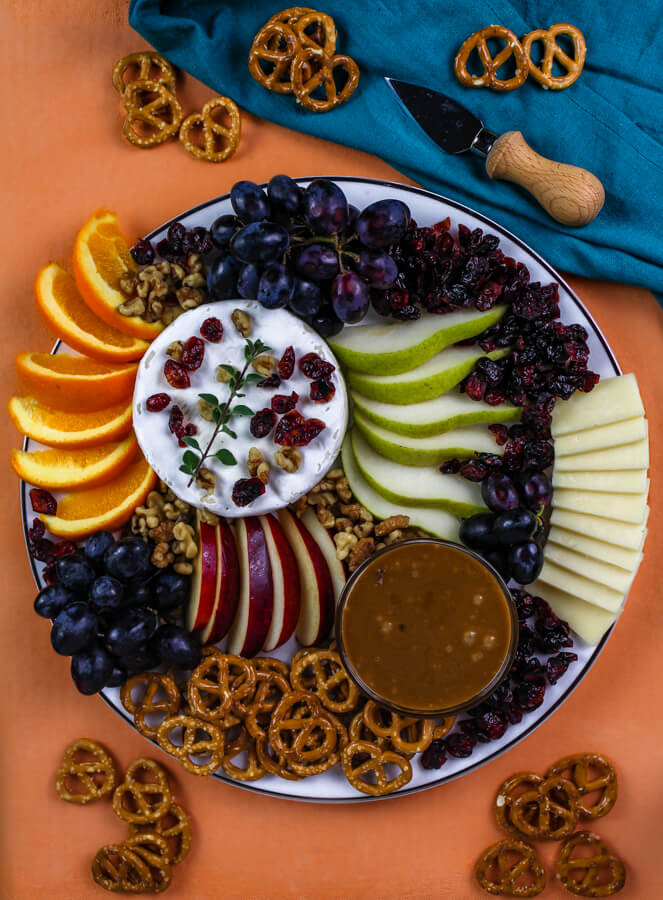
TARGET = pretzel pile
(549,808)
(295,53)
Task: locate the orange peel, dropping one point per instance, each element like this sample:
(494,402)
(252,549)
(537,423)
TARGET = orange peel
(56,428)
(75,383)
(58,468)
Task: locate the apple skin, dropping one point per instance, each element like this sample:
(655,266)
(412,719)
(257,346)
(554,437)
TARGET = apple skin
(316,617)
(325,542)
(256,591)
(285,575)
(227,596)
(203,581)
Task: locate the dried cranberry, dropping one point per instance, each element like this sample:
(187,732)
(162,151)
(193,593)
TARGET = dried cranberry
(287,363)
(212,330)
(450,466)
(500,433)
(524,604)
(314,367)
(43,502)
(197,240)
(176,234)
(42,550)
(176,375)
(529,695)
(49,573)
(301,435)
(272,381)
(37,530)
(142,252)
(532,671)
(289,421)
(176,421)
(262,423)
(322,391)
(281,403)
(433,756)
(246,490)
(473,470)
(157,402)
(190,429)
(475,387)
(490,727)
(459,745)
(557,666)
(193,354)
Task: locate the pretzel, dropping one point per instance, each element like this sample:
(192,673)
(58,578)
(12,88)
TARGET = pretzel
(488,78)
(290,16)
(507,792)
(510,867)
(153,682)
(270,690)
(443,728)
(323,673)
(386,724)
(161,114)
(274,763)
(372,761)
(208,689)
(220,141)
(323,35)
(153,849)
(596,867)
(271,664)
(96,776)
(358,730)
(577,769)
(313,68)
(147,800)
(275,45)
(299,729)
(253,770)
(213,745)
(116,868)
(305,768)
(177,832)
(146,61)
(552,51)
(556,801)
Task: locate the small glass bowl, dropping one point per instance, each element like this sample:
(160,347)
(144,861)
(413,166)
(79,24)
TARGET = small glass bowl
(427,713)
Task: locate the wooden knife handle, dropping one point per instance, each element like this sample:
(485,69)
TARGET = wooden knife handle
(569,194)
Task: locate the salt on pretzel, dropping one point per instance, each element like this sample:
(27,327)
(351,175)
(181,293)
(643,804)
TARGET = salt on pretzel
(160,696)
(510,867)
(488,78)
(174,826)
(152,107)
(362,760)
(139,801)
(585,875)
(96,776)
(145,62)
(219,141)
(193,744)
(579,768)
(543,73)
(312,68)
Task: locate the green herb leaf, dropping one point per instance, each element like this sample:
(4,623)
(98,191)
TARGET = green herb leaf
(253,378)
(241,410)
(231,370)
(190,459)
(216,415)
(248,350)
(227,430)
(191,442)
(225,456)
(259,347)
(210,398)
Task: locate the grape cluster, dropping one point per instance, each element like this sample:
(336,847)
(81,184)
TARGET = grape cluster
(305,248)
(106,603)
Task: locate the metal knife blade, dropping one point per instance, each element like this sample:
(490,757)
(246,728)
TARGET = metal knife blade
(448,123)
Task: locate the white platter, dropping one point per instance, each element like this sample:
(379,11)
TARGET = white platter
(427,208)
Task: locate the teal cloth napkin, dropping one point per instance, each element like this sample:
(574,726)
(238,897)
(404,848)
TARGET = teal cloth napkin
(610,121)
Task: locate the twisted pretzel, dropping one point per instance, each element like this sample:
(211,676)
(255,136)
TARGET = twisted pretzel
(507,792)
(322,673)
(556,802)
(220,141)
(161,114)
(290,16)
(271,56)
(371,762)
(406,734)
(312,68)
(510,867)
(305,768)
(577,769)
(174,826)
(146,61)
(155,853)
(299,729)
(552,51)
(142,801)
(488,78)
(116,868)
(271,664)
(274,763)
(153,683)
(95,776)
(253,770)
(191,744)
(323,34)
(586,875)
(270,690)
(208,690)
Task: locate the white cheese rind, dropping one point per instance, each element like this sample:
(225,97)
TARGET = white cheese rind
(612,400)
(589,622)
(623,534)
(578,586)
(623,481)
(601,550)
(628,456)
(276,328)
(624,507)
(625,432)
(609,575)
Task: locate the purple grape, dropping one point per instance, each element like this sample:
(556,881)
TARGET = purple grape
(91,669)
(275,286)
(222,277)
(249,202)
(350,297)
(260,242)
(284,194)
(477,531)
(306,298)
(537,490)
(526,562)
(326,323)
(499,493)
(378,268)
(514,526)
(317,262)
(223,229)
(382,223)
(247,281)
(325,207)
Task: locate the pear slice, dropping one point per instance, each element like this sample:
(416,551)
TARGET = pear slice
(437,522)
(427,451)
(397,347)
(413,486)
(435,377)
(450,410)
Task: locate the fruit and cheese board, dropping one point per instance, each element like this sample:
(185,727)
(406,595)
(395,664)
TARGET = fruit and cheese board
(324,370)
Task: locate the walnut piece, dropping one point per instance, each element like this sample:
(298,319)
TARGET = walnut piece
(242,322)
(135,307)
(175,350)
(391,524)
(288,458)
(325,516)
(189,297)
(264,365)
(344,544)
(163,532)
(222,375)
(360,552)
(206,479)
(161,556)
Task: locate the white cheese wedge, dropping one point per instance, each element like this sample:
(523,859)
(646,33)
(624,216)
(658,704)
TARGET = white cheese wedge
(617,556)
(628,456)
(584,588)
(603,572)
(623,481)
(612,400)
(623,534)
(624,507)
(614,435)
(589,622)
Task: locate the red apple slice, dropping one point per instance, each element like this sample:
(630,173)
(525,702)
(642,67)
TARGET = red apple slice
(256,590)
(227,585)
(316,616)
(325,542)
(203,580)
(285,577)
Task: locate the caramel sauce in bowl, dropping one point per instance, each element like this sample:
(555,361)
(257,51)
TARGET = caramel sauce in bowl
(426,628)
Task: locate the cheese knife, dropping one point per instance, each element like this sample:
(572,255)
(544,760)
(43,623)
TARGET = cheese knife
(571,195)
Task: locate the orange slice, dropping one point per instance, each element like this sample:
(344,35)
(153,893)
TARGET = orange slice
(101,259)
(107,506)
(73,321)
(75,383)
(63,468)
(56,428)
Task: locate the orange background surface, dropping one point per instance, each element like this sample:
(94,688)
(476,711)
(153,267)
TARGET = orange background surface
(62,158)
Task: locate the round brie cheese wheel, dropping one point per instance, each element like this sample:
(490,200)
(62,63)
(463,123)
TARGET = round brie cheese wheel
(278,329)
